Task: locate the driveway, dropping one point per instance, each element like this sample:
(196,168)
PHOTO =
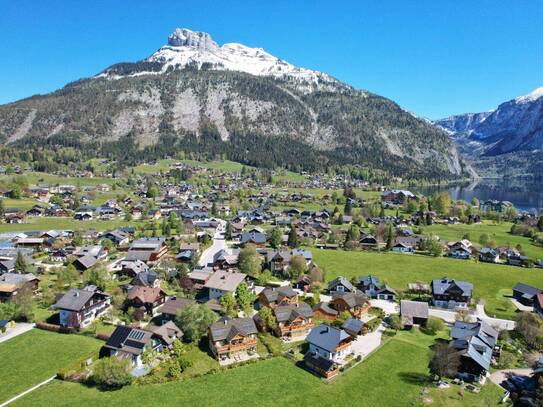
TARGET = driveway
(388,306)
(501,324)
(448,316)
(521,307)
(219,243)
(500,375)
(366,344)
(18,329)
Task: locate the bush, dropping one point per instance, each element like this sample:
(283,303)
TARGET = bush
(111,373)
(434,325)
(395,322)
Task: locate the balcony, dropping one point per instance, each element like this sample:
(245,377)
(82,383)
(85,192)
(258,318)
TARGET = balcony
(296,328)
(246,344)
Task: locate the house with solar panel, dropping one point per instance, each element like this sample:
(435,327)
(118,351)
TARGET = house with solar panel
(128,343)
(232,340)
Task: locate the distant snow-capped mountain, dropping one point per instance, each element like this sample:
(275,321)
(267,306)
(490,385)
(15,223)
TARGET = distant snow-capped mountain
(190,48)
(516,125)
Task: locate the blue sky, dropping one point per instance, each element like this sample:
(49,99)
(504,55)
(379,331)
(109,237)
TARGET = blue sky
(433,57)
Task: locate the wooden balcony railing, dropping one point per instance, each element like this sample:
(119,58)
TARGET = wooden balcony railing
(246,344)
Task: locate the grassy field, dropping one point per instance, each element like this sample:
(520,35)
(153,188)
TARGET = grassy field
(48,223)
(42,178)
(21,204)
(164,165)
(498,232)
(491,281)
(393,376)
(32,357)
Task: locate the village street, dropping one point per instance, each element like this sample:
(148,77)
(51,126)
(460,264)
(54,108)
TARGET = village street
(219,243)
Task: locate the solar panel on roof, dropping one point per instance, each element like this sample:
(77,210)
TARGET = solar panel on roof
(137,335)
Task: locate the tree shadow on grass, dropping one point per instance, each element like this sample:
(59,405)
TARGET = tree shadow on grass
(413,378)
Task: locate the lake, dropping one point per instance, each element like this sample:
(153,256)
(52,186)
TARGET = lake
(525,195)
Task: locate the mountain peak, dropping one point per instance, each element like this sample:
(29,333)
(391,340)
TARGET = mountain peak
(531,97)
(183,37)
(197,49)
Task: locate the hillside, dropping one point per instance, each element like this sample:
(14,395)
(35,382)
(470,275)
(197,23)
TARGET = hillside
(234,101)
(509,137)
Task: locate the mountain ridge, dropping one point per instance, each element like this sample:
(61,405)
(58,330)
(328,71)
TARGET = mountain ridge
(198,95)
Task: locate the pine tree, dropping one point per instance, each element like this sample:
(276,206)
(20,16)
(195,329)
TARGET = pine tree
(20,263)
(390,236)
(293,238)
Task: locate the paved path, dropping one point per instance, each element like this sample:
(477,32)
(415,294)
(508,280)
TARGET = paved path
(366,344)
(388,306)
(521,307)
(24,393)
(500,375)
(447,316)
(18,329)
(502,324)
(219,243)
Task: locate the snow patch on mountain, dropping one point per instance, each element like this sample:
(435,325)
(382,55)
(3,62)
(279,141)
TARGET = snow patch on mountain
(531,97)
(197,49)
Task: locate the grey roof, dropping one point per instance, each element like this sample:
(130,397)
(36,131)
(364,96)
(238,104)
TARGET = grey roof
(142,255)
(353,325)
(226,329)
(147,243)
(167,332)
(87,261)
(327,337)
(441,286)
(352,299)
(129,340)
(341,281)
(290,312)
(146,278)
(225,281)
(174,305)
(475,349)
(16,278)
(526,289)
(277,294)
(253,236)
(75,299)
(319,362)
(387,288)
(480,329)
(413,309)
(366,281)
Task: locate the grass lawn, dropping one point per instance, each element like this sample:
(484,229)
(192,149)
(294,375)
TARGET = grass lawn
(48,223)
(456,397)
(498,232)
(392,376)
(21,204)
(32,357)
(491,281)
(42,178)
(164,165)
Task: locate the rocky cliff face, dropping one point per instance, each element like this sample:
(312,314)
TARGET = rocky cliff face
(513,128)
(253,106)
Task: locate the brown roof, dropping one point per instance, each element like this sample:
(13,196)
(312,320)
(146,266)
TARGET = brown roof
(145,294)
(174,305)
(225,281)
